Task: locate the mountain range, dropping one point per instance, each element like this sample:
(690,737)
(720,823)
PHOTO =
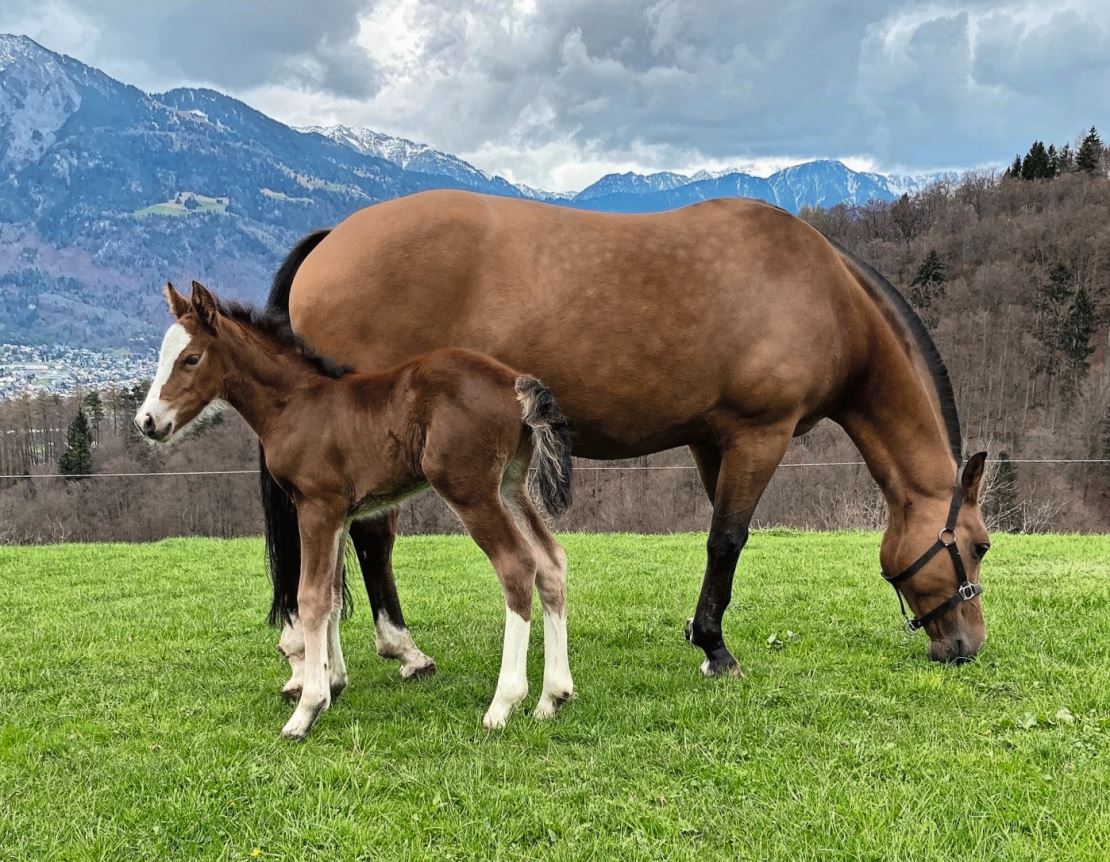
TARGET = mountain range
(107,191)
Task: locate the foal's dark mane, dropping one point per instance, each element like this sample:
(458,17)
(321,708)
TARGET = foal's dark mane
(274,327)
(938,371)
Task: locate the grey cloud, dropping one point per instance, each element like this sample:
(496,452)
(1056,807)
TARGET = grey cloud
(228,43)
(908,83)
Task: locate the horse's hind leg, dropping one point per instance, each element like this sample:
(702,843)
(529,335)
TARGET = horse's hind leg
(373,541)
(551,581)
(735,479)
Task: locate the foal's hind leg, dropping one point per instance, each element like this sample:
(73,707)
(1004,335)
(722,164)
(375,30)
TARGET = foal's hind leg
(492,528)
(373,541)
(735,480)
(551,580)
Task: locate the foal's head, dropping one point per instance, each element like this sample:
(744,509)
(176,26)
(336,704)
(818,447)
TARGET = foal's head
(957,633)
(191,368)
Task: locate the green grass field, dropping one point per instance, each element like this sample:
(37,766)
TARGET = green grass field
(139,713)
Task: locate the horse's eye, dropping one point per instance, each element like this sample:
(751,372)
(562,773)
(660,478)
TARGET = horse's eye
(191,360)
(980,549)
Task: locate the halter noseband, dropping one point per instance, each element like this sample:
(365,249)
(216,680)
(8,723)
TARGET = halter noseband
(966,590)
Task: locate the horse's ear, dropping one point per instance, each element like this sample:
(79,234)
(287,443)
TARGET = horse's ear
(179,305)
(205,305)
(972,476)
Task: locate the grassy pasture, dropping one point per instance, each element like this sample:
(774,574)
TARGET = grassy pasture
(139,713)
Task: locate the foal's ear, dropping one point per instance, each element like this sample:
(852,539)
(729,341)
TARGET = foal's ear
(179,305)
(204,304)
(972,475)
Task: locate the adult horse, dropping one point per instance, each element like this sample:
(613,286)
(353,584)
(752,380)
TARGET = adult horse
(729,327)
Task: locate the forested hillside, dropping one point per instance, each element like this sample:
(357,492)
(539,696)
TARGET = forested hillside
(1011,275)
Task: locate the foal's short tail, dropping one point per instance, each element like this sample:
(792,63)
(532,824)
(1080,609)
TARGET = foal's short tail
(551,439)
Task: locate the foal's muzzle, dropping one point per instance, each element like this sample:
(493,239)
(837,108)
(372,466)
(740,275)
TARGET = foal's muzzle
(150,430)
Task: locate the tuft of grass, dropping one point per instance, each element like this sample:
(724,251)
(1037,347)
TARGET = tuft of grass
(139,712)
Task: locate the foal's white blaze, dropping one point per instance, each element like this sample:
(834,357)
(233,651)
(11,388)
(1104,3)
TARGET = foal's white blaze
(173,345)
(512,684)
(557,683)
(395,642)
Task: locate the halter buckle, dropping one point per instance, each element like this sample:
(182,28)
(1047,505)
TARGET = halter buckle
(968,591)
(951,533)
(912,627)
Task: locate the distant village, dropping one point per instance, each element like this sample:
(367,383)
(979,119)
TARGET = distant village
(62,370)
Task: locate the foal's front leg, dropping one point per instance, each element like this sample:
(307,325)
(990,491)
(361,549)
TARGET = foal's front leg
(291,645)
(321,530)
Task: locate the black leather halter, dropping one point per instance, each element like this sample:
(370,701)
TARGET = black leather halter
(965,590)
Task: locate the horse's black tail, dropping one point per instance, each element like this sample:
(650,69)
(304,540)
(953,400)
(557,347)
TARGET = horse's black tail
(551,439)
(283,541)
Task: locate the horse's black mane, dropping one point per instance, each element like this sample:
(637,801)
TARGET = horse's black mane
(274,325)
(937,369)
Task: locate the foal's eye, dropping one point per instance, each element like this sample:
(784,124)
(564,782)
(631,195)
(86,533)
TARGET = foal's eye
(191,360)
(980,549)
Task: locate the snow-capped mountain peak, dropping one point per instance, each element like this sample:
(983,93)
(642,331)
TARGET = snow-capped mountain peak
(406,154)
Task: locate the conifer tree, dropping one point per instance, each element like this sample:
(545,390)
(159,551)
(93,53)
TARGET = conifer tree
(928,284)
(1075,334)
(1035,165)
(1015,169)
(76,460)
(1065,162)
(1089,157)
(1052,303)
(95,409)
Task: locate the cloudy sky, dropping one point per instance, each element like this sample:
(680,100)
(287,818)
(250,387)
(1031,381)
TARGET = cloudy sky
(557,92)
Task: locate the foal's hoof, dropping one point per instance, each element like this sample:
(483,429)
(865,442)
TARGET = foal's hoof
(418,671)
(304,717)
(721,664)
(337,688)
(549,704)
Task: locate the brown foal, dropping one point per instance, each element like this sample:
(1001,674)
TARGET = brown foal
(348,446)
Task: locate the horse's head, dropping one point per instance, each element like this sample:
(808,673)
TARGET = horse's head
(190,372)
(953,617)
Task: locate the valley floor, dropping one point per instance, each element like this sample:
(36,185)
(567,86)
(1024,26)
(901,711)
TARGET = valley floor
(139,712)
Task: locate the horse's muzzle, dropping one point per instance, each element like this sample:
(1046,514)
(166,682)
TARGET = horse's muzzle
(957,650)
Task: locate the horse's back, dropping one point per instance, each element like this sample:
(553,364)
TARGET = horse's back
(729,300)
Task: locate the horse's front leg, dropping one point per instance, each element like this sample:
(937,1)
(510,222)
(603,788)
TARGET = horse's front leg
(373,541)
(321,529)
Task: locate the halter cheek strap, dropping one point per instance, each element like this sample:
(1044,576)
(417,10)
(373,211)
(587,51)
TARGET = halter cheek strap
(946,540)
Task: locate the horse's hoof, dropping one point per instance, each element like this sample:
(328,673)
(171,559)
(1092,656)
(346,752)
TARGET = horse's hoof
(291,694)
(722,665)
(422,671)
(689,631)
(337,688)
